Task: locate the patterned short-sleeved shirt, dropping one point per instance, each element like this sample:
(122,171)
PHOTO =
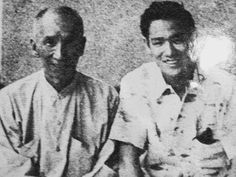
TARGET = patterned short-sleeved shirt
(176,132)
(46,133)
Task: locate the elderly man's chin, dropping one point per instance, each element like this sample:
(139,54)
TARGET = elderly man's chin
(59,73)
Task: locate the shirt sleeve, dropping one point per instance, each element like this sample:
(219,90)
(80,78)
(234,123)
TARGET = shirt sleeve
(129,125)
(14,156)
(104,159)
(229,125)
(111,106)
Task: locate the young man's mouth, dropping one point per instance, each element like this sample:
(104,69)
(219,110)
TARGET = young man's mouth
(171,62)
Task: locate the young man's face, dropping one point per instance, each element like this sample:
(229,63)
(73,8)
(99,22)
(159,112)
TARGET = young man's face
(168,43)
(59,45)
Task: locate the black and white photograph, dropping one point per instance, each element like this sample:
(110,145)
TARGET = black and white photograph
(117,88)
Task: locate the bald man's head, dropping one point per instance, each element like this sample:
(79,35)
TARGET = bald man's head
(64,14)
(58,40)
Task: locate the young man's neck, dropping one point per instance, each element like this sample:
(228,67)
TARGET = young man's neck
(179,83)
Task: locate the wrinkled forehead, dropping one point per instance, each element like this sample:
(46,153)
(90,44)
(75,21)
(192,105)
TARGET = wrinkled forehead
(52,20)
(52,23)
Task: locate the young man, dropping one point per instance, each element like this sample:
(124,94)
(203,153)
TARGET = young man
(170,109)
(55,122)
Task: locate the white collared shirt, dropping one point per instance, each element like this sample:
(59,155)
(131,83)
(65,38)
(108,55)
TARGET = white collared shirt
(152,117)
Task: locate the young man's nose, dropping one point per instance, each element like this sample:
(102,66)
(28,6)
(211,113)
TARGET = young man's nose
(169,49)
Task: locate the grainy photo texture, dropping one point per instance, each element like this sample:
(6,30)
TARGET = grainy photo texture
(99,88)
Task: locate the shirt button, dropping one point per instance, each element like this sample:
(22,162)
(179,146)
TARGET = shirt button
(176,128)
(58,123)
(58,149)
(159,101)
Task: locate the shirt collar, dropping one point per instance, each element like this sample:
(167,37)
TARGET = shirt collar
(160,88)
(154,81)
(195,85)
(52,91)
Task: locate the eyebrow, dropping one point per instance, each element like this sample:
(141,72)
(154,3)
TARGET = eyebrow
(172,36)
(49,38)
(158,39)
(57,35)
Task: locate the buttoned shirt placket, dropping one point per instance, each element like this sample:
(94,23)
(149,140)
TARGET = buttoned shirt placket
(56,124)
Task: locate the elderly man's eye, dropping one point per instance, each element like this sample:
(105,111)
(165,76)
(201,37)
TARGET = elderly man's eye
(50,42)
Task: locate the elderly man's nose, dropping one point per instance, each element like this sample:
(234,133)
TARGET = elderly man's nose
(57,54)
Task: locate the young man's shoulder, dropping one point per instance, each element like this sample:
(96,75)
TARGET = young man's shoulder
(225,81)
(221,76)
(143,72)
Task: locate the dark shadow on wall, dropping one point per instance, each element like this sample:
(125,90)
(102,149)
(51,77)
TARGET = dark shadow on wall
(1,86)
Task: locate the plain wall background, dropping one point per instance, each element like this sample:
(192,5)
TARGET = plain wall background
(114,42)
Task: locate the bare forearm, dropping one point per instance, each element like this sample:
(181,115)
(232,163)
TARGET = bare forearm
(130,170)
(129,161)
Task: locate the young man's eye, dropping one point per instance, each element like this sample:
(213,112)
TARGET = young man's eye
(157,42)
(178,40)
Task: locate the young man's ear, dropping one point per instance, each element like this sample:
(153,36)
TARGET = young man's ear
(33,47)
(147,45)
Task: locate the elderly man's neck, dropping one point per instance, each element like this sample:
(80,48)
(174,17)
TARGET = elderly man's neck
(61,81)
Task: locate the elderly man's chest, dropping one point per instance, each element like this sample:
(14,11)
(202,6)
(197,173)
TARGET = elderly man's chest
(67,133)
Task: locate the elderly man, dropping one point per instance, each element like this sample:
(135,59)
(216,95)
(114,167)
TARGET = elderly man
(169,109)
(55,122)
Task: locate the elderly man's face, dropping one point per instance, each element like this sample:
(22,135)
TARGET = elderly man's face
(168,43)
(59,45)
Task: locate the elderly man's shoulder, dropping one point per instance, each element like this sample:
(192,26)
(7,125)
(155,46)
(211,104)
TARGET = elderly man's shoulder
(22,85)
(92,84)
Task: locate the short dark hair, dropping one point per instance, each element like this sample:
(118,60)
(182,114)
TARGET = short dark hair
(167,10)
(66,13)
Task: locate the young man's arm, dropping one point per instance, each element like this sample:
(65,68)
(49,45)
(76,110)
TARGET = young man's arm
(129,129)
(129,164)
(220,159)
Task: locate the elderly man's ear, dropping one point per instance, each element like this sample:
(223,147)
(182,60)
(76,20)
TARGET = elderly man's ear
(82,45)
(33,47)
